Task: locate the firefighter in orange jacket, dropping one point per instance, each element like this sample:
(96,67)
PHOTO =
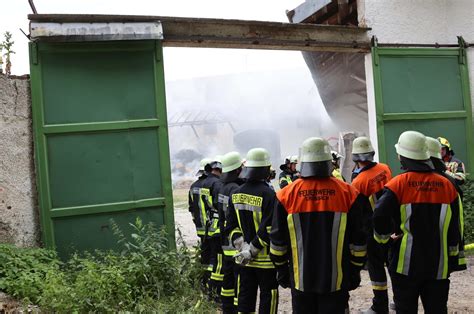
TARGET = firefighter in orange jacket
(423,207)
(317,240)
(369,181)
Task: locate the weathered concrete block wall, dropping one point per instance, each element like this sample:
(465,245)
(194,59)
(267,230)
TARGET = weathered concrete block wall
(19,223)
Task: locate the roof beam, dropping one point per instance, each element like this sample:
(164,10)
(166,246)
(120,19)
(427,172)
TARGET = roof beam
(237,34)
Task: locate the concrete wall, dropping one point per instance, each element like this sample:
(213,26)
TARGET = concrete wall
(416,22)
(18,207)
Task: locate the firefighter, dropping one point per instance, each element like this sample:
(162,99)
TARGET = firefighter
(317,239)
(454,167)
(231,169)
(249,224)
(271,177)
(336,162)
(210,196)
(370,180)
(363,152)
(199,215)
(288,171)
(419,211)
(434,147)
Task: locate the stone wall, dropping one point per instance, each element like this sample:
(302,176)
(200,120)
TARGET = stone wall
(19,219)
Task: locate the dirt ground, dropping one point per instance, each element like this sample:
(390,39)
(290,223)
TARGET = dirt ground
(461,295)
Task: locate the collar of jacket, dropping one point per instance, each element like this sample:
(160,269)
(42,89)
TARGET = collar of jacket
(416,165)
(438,164)
(369,166)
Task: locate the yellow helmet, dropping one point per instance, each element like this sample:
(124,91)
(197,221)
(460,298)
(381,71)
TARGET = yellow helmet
(444,142)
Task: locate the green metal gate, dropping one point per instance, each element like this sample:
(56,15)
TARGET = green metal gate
(101,140)
(425,90)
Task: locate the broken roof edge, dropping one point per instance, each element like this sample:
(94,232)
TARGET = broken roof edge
(216,33)
(105,18)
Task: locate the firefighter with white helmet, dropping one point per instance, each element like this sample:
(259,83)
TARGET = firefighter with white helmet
(336,162)
(435,147)
(231,169)
(250,213)
(369,179)
(209,196)
(419,211)
(288,171)
(200,217)
(317,238)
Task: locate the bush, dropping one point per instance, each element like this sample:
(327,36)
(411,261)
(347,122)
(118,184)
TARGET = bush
(144,276)
(468,205)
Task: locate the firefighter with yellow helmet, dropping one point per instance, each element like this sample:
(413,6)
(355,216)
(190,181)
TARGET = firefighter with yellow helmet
(454,167)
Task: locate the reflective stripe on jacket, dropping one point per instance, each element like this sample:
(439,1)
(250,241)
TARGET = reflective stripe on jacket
(317,228)
(424,208)
(250,214)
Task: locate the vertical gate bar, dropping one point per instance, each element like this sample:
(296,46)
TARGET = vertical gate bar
(40,148)
(165,166)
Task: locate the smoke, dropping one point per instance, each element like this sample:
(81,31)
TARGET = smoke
(285,101)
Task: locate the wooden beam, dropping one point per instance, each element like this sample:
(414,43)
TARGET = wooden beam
(237,34)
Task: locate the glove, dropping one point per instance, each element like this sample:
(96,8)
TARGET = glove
(238,243)
(283,276)
(243,258)
(354,279)
(453,167)
(246,254)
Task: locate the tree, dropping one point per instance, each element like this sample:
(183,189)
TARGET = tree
(7,45)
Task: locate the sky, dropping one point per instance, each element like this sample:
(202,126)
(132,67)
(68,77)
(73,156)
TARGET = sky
(180,63)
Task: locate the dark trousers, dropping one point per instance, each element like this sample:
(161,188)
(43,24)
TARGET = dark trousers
(249,280)
(376,258)
(205,248)
(406,291)
(230,270)
(310,302)
(217,275)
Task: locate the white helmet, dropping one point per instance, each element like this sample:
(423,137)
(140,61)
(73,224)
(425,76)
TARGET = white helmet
(412,145)
(434,147)
(231,161)
(362,149)
(316,158)
(257,164)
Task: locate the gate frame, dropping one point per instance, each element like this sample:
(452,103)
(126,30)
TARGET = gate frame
(381,116)
(41,130)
